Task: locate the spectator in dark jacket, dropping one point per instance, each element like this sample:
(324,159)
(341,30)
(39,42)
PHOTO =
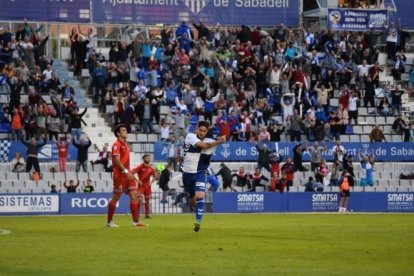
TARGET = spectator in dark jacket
(75,119)
(32,153)
(165,177)
(263,161)
(81,50)
(226,176)
(82,158)
(202,30)
(297,158)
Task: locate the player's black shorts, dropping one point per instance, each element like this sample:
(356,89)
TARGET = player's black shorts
(345,193)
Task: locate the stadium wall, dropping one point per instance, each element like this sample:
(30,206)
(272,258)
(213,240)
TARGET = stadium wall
(97,203)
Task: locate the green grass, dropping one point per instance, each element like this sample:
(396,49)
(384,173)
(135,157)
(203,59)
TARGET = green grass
(249,244)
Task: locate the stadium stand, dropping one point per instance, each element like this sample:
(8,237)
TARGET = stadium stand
(228,58)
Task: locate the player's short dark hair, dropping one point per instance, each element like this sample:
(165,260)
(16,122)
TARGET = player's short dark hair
(205,124)
(117,129)
(145,155)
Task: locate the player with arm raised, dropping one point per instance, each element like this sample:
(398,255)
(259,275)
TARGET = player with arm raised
(197,154)
(124,181)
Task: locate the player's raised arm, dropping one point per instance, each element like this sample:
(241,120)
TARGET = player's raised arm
(207,145)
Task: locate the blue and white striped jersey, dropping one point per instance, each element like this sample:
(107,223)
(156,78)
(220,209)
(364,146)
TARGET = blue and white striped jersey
(196,159)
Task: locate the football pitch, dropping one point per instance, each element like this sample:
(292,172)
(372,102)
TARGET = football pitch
(243,244)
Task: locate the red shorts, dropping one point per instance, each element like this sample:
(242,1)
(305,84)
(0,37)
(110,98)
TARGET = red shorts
(144,190)
(123,185)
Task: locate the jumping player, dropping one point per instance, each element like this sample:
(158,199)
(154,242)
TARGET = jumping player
(198,150)
(124,181)
(144,172)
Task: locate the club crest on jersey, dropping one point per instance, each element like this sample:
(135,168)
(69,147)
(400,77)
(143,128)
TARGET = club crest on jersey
(195,6)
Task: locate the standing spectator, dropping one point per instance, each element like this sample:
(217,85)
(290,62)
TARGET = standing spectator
(369,93)
(226,176)
(165,177)
(367,168)
(172,152)
(146,117)
(297,157)
(338,152)
(399,66)
(75,119)
(344,190)
(165,131)
(392,38)
(71,188)
(146,175)
(88,187)
(263,161)
(396,103)
(32,153)
(124,181)
(400,126)
(377,135)
(82,158)
(323,95)
(16,125)
(334,126)
(80,52)
(225,124)
(275,160)
(316,155)
(18,163)
(348,166)
(295,126)
(353,107)
(99,76)
(322,174)
(63,148)
(276,132)
(289,169)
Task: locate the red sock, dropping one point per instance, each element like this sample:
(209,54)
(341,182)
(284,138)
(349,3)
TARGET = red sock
(133,206)
(111,210)
(139,208)
(147,207)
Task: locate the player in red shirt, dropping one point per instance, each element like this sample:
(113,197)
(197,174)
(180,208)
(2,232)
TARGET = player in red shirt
(124,180)
(144,172)
(62,147)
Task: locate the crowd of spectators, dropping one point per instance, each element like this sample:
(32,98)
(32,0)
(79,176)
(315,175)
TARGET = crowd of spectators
(251,84)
